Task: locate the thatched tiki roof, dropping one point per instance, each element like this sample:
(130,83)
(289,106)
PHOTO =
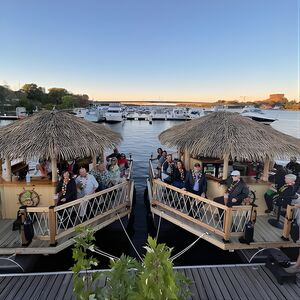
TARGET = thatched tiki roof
(224,134)
(55,135)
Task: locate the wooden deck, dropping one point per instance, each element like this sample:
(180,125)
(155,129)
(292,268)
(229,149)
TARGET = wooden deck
(10,241)
(265,235)
(208,282)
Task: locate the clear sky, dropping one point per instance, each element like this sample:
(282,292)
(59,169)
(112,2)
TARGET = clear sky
(153,49)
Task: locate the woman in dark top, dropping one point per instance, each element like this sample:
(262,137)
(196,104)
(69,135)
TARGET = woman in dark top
(179,175)
(66,189)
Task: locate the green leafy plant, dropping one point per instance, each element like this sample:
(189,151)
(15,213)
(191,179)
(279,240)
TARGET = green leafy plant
(153,278)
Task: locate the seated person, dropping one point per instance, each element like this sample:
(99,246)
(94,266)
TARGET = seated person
(123,164)
(237,191)
(284,194)
(179,175)
(114,171)
(102,176)
(278,177)
(196,182)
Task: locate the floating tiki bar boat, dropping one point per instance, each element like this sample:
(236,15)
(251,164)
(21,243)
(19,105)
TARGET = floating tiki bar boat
(55,136)
(221,142)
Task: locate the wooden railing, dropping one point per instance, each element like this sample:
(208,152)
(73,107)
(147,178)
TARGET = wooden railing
(217,218)
(55,222)
(292,212)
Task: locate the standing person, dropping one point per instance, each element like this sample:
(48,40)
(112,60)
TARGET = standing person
(167,169)
(102,176)
(179,176)
(293,167)
(114,154)
(87,185)
(66,190)
(196,181)
(159,153)
(114,171)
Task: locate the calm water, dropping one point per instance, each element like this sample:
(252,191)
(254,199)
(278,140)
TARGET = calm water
(141,139)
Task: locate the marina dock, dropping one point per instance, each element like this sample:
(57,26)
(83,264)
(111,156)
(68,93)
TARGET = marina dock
(208,282)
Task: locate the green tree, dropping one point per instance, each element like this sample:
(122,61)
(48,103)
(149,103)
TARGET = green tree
(33,92)
(69,101)
(55,95)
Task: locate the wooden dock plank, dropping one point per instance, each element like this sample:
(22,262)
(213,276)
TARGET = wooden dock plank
(31,281)
(64,289)
(194,290)
(231,288)
(222,285)
(18,286)
(38,289)
(213,283)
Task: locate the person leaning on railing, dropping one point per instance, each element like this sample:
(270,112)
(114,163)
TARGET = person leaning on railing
(66,190)
(237,191)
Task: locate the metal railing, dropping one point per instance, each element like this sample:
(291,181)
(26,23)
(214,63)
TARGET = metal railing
(292,213)
(220,219)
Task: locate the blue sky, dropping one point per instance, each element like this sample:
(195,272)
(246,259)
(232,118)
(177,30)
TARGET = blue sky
(153,50)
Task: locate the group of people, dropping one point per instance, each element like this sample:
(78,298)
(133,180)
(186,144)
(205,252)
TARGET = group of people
(71,187)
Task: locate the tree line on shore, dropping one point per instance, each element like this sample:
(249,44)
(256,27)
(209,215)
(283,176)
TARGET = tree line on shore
(31,96)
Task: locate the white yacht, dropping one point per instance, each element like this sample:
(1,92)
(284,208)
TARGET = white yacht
(79,112)
(177,114)
(95,114)
(195,113)
(115,113)
(257,114)
(158,114)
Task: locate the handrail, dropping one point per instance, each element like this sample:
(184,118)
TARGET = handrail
(52,223)
(220,219)
(129,175)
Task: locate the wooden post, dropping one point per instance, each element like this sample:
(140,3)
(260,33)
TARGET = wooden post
(23,217)
(227,223)
(225,166)
(94,162)
(187,159)
(101,157)
(8,169)
(1,171)
(265,176)
(287,223)
(54,169)
(52,226)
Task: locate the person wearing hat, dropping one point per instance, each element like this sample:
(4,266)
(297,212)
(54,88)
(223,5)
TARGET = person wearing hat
(237,191)
(284,194)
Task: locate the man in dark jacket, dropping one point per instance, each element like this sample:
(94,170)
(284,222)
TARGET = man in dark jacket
(196,182)
(236,192)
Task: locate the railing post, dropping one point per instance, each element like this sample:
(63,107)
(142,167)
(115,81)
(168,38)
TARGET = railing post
(52,226)
(23,214)
(287,223)
(227,223)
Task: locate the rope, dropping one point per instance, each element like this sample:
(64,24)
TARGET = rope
(188,247)
(158,228)
(129,238)
(260,250)
(105,254)
(13,261)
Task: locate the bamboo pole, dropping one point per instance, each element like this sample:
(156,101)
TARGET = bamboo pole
(266,169)
(94,162)
(54,169)
(187,158)
(225,166)
(8,169)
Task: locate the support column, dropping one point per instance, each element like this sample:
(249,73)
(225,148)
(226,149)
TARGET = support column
(94,162)
(54,169)
(8,169)
(225,166)
(265,176)
(1,171)
(187,159)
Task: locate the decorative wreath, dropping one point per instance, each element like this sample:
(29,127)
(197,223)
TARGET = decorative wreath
(29,198)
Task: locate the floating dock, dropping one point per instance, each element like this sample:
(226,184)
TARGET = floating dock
(208,282)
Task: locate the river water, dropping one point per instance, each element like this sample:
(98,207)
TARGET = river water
(141,140)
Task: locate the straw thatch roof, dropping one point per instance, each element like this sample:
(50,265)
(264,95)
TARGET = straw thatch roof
(223,133)
(55,134)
